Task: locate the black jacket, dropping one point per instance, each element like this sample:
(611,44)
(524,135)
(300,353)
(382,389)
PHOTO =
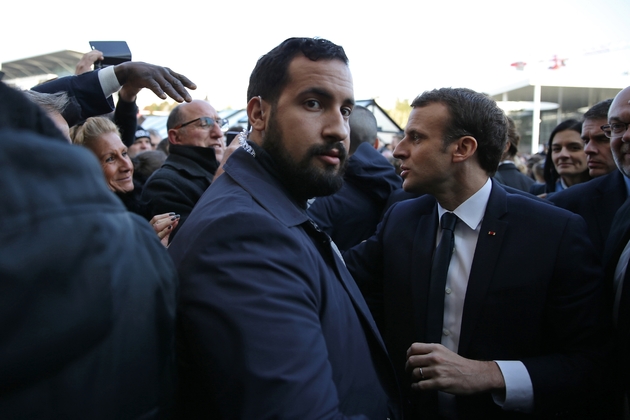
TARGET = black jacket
(180,182)
(87,292)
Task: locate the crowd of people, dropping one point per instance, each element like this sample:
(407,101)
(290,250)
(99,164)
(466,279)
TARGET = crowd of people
(304,270)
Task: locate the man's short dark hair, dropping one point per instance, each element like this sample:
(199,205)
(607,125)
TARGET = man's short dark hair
(271,74)
(363,127)
(471,114)
(599,110)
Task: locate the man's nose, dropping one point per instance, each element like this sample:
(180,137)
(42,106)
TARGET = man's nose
(337,127)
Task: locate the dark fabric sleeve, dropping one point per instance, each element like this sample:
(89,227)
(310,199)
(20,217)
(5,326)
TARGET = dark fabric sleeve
(85,89)
(125,117)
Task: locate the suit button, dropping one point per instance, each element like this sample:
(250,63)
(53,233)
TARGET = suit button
(448,290)
(446,332)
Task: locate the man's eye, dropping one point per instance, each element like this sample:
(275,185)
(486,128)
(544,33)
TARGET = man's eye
(312,104)
(346,112)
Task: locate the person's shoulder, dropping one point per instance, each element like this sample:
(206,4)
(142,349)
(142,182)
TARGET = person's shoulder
(531,206)
(537,188)
(579,192)
(410,207)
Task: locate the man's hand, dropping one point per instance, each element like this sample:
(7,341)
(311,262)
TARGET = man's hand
(437,368)
(86,62)
(161,80)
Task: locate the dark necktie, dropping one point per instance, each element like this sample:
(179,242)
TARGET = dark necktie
(439,270)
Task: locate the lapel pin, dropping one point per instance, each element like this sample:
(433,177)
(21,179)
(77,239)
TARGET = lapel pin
(492,233)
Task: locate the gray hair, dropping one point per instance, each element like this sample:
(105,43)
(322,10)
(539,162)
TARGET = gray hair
(49,102)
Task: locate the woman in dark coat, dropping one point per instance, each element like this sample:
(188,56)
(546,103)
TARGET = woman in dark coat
(102,137)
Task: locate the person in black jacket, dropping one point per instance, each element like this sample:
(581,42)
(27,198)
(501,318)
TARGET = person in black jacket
(87,293)
(507,173)
(102,137)
(196,147)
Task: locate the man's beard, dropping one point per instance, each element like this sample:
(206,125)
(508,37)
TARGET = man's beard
(303,179)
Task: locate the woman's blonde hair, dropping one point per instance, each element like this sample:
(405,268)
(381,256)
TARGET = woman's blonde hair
(91,130)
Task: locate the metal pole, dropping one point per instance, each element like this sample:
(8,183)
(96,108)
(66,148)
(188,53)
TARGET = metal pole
(536,118)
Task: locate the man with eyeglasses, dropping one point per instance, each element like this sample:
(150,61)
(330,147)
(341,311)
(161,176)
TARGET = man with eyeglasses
(196,148)
(617,253)
(597,200)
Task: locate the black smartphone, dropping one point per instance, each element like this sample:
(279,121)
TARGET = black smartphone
(114,52)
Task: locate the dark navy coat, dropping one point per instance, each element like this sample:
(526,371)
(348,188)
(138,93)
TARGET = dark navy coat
(271,325)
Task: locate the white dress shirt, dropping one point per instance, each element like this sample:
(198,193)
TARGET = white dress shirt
(519,392)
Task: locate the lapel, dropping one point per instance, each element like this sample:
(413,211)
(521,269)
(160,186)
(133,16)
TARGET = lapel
(423,247)
(482,272)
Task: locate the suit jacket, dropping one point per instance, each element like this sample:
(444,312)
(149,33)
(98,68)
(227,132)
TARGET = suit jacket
(542,308)
(617,241)
(596,201)
(86,96)
(508,174)
(350,215)
(271,325)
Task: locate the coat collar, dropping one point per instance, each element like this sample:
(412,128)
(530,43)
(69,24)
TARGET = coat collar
(197,161)
(264,188)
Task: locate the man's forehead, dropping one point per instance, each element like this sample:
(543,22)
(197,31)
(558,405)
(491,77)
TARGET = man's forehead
(593,123)
(304,73)
(197,109)
(620,103)
(432,113)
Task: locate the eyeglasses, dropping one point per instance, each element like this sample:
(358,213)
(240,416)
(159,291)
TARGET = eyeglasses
(615,129)
(205,122)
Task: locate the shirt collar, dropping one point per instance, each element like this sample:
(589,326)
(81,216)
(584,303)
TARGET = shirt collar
(472,210)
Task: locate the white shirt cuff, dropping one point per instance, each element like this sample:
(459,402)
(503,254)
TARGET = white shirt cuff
(519,391)
(109,81)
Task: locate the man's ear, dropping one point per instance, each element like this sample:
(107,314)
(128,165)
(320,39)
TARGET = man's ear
(256,114)
(376,144)
(465,147)
(172,136)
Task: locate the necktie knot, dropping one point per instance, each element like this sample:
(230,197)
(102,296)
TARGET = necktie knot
(448,221)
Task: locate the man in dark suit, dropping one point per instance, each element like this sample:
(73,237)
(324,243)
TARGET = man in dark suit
(271,324)
(617,252)
(507,172)
(597,200)
(515,325)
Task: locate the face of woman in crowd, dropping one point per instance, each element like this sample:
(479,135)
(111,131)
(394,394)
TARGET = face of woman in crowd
(567,153)
(117,166)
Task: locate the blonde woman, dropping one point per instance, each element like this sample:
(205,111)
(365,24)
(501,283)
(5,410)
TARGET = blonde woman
(102,137)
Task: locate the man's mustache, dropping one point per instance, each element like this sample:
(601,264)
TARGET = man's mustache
(326,149)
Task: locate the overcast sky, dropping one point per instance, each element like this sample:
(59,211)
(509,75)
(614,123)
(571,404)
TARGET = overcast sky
(397,49)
